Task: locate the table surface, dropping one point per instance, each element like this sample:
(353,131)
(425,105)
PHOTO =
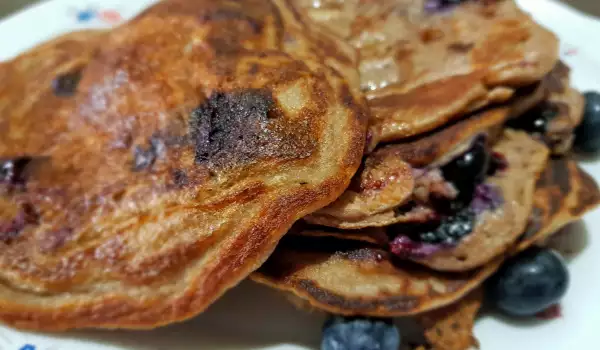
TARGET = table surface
(590,6)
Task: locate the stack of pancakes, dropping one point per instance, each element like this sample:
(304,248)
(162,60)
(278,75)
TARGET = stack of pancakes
(396,144)
(445,84)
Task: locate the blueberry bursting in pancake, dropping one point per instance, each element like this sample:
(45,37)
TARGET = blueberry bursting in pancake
(424,63)
(343,272)
(452,200)
(146,170)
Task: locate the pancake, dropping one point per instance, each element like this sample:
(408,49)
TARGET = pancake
(497,229)
(451,328)
(182,149)
(388,179)
(422,66)
(564,193)
(562,108)
(350,277)
(494,231)
(353,278)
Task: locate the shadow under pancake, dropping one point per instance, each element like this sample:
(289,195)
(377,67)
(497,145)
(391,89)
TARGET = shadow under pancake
(571,241)
(249,317)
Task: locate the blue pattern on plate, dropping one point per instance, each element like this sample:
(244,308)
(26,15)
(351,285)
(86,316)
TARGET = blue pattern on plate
(86,15)
(27,347)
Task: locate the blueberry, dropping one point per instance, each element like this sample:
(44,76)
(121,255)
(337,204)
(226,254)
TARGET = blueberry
(535,121)
(433,5)
(587,135)
(12,171)
(450,230)
(468,169)
(66,84)
(529,283)
(359,334)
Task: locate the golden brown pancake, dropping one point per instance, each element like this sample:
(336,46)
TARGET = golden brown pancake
(163,165)
(564,193)
(421,67)
(353,278)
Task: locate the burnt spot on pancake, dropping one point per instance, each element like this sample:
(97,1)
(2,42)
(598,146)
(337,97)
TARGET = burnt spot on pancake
(144,158)
(231,128)
(461,47)
(14,171)
(11,229)
(65,85)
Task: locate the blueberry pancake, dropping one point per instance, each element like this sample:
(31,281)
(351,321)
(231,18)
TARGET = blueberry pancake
(143,175)
(401,175)
(425,62)
(461,220)
(353,275)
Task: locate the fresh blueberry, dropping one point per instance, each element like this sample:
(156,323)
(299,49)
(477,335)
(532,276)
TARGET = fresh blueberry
(359,334)
(587,135)
(468,169)
(529,283)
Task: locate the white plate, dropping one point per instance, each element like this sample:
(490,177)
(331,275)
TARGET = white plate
(253,317)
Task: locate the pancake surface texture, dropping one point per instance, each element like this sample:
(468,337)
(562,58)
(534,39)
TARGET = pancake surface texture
(425,62)
(146,170)
(353,278)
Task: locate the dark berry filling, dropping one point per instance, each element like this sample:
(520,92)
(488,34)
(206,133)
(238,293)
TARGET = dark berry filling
(456,216)
(406,247)
(65,85)
(427,239)
(437,5)
(535,121)
(467,171)
(9,230)
(12,171)
(441,5)
(487,197)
